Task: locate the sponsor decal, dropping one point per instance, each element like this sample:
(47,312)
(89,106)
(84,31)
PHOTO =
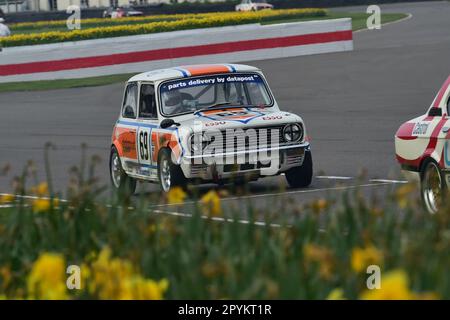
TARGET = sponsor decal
(211,80)
(214,124)
(242,115)
(272,118)
(420,129)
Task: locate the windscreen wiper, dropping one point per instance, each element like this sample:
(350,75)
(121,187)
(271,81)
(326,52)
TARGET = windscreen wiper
(219,106)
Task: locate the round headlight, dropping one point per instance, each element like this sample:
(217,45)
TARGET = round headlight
(196,142)
(292,132)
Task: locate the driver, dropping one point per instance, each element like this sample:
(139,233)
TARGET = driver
(176,101)
(148,103)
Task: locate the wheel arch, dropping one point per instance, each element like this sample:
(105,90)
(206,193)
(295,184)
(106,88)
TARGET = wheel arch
(425,160)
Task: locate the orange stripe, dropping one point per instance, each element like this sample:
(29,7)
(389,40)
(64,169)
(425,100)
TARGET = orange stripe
(206,69)
(209,112)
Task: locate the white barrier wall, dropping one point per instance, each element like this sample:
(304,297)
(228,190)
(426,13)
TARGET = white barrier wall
(145,52)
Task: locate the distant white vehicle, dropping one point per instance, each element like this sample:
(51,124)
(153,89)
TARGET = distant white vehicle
(4,30)
(253,5)
(121,12)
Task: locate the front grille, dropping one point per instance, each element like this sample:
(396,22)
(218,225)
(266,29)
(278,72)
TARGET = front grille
(233,140)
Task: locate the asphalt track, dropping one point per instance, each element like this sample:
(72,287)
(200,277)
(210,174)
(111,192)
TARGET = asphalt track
(352,103)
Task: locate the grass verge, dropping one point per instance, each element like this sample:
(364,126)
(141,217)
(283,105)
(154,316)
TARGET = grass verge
(358,19)
(64,83)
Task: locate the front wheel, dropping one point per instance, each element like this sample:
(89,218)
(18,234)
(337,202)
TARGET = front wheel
(169,174)
(119,179)
(301,177)
(432,186)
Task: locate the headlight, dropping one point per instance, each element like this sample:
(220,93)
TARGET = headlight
(292,132)
(197,142)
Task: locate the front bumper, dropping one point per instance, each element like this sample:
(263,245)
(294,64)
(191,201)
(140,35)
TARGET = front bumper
(249,163)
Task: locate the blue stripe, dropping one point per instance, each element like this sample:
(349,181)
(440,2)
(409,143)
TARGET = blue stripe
(233,69)
(184,72)
(145,125)
(148,166)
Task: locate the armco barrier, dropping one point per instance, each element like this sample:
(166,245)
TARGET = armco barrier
(145,52)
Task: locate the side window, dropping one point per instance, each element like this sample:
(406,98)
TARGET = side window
(130,101)
(147,104)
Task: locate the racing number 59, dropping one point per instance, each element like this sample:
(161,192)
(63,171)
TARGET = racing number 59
(143,141)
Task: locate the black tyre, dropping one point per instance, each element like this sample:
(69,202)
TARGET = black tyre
(432,186)
(169,174)
(119,179)
(301,177)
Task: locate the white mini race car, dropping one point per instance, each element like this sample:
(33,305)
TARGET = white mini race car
(422,149)
(205,123)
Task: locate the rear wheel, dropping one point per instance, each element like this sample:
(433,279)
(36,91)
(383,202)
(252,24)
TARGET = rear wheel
(432,186)
(169,174)
(301,177)
(119,179)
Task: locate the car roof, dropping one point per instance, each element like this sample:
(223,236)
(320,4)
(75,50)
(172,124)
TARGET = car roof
(190,71)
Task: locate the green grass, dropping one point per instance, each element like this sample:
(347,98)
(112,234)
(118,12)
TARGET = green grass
(358,22)
(358,19)
(64,83)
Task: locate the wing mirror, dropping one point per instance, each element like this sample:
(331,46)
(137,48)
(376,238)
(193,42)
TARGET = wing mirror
(129,112)
(166,123)
(435,112)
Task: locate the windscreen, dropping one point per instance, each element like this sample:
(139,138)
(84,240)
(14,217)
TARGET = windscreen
(192,94)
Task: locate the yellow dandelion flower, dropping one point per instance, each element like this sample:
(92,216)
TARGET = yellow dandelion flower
(394,286)
(47,278)
(321,255)
(176,195)
(5,276)
(7,198)
(210,203)
(43,205)
(41,189)
(319,205)
(361,258)
(402,194)
(336,294)
(114,278)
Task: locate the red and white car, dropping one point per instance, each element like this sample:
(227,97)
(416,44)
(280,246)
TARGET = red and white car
(205,123)
(422,147)
(253,5)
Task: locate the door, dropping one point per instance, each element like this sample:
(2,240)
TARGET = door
(446,133)
(126,130)
(147,121)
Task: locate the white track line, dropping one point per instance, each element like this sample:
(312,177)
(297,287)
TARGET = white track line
(334,177)
(409,16)
(30,197)
(379,182)
(376,182)
(309,190)
(389,181)
(220,219)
